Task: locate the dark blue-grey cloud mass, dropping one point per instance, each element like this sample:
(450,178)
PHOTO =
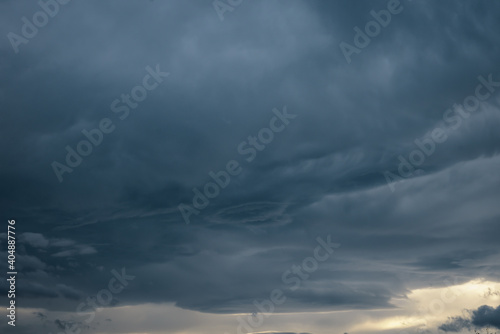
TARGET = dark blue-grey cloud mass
(484,317)
(323,174)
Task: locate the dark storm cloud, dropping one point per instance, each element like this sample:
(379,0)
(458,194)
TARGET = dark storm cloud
(322,176)
(484,316)
(456,324)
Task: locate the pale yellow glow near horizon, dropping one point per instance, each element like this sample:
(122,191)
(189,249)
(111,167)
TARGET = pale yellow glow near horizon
(428,308)
(421,309)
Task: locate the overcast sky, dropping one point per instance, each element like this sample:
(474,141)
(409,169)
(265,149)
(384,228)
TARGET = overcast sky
(182,162)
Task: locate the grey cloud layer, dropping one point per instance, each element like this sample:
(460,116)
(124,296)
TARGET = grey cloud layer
(323,175)
(484,316)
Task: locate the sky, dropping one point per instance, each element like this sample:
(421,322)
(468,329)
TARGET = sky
(236,166)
